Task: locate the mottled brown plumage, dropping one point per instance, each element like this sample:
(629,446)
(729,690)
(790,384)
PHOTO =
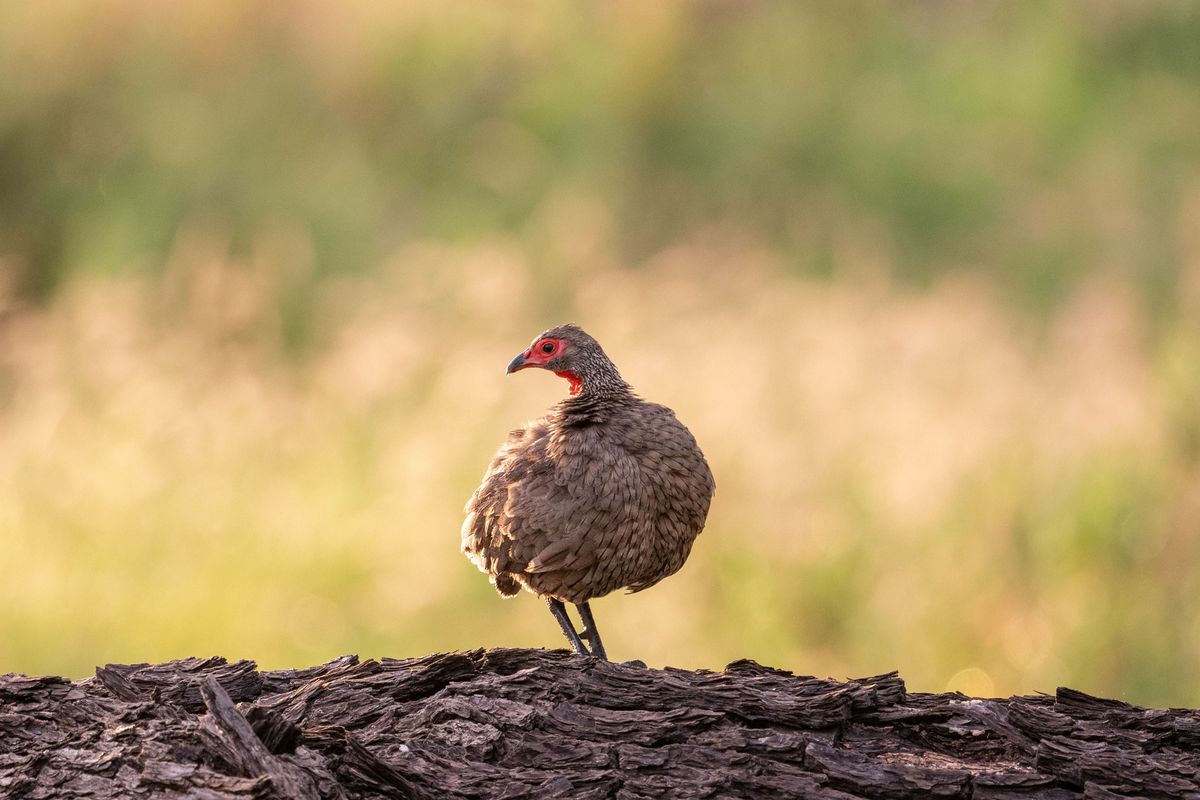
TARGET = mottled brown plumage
(605,492)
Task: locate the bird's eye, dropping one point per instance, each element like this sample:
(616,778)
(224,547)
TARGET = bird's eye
(548,347)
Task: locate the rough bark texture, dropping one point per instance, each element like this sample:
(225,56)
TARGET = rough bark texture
(522,723)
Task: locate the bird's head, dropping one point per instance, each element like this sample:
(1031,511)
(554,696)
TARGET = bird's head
(569,352)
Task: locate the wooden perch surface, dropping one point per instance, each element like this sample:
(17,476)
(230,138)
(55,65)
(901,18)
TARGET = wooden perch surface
(529,723)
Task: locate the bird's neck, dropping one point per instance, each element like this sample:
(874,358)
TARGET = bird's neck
(594,396)
(599,383)
(595,376)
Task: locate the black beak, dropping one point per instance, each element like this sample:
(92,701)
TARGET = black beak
(520,362)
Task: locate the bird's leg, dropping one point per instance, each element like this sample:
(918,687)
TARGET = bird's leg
(590,632)
(560,613)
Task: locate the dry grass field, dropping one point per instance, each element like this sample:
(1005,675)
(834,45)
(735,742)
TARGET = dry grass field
(925,284)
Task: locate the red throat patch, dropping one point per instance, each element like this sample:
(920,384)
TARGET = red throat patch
(573,379)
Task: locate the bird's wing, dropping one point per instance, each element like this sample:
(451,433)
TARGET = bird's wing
(552,502)
(485,535)
(677,489)
(575,515)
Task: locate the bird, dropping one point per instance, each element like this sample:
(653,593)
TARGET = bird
(606,491)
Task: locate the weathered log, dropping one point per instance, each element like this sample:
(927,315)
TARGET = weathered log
(526,723)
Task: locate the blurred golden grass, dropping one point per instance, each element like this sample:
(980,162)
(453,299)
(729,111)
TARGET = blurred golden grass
(923,278)
(905,480)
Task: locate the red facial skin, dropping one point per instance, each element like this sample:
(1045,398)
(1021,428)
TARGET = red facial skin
(537,356)
(575,384)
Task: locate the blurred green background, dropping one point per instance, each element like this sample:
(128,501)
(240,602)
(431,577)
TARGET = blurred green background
(923,278)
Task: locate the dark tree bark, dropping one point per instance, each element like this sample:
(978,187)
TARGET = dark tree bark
(522,723)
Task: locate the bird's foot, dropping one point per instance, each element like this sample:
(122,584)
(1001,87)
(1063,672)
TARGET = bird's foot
(594,644)
(560,613)
(590,632)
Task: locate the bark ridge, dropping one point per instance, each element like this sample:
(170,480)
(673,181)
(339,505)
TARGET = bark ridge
(532,723)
